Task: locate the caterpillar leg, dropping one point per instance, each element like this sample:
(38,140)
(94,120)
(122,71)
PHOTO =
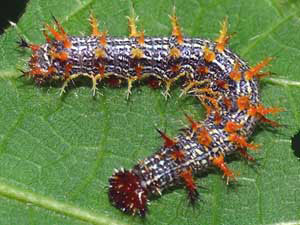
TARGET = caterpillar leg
(66,82)
(94,81)
(166,93)
(190,85)
(169,83)
(130,81)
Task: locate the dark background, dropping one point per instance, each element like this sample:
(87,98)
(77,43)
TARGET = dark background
(11,10)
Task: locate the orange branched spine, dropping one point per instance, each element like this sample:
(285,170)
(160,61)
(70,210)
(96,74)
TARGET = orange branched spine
(223,39)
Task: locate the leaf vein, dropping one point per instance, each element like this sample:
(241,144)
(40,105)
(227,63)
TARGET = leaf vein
(67,209)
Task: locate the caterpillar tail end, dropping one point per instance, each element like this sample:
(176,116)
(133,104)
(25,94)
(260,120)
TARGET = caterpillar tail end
(127,194)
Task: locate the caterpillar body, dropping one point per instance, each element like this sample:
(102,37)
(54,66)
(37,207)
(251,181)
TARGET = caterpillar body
(225,85)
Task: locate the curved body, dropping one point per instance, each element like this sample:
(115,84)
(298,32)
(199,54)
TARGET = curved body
(225,85)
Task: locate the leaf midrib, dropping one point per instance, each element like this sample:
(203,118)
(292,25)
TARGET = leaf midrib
(67,209)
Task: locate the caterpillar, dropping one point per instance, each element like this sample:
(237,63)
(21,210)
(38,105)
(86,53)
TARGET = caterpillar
(223,83)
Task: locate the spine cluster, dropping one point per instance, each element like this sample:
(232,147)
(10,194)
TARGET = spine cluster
(225,85)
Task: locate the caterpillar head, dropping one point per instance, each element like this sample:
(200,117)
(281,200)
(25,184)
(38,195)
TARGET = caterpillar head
(127,193)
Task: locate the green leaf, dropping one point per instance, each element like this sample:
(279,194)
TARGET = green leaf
(57,153)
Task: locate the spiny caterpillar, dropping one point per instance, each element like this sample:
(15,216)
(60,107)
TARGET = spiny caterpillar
(225,85)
